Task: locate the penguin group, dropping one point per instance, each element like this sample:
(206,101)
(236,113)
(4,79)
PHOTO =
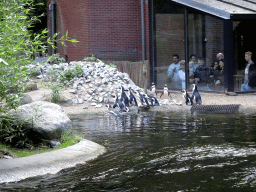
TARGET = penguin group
(194,99)
(128,97)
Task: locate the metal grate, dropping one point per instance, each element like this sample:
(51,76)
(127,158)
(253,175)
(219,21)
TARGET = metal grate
(215,108)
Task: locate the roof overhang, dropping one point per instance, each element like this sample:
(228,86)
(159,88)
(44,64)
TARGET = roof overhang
(204,8)
(225,9)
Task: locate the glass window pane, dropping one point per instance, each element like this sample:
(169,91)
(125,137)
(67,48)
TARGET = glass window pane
(169,39)
(205,42)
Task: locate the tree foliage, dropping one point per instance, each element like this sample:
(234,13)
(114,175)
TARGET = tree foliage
(19,41)
(17,46)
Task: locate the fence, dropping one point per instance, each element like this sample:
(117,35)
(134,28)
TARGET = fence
(135,70)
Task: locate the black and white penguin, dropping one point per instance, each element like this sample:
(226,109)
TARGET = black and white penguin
(124,97)
(165,92)
(153,88)
(132,99)
(188,99)
(152,100)
(113,111)
(196,97)
(118,103)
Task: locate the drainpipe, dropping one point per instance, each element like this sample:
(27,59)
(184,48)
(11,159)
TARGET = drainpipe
(142,30)
(51,8)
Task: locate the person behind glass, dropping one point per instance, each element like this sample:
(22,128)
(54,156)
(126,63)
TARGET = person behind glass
(250,74)
(220,57)
(219,79)
(182,75)
(202,73)
(214,72)
(194,61)
(173,71)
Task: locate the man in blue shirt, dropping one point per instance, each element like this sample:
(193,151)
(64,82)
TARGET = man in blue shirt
(250,74)
(173,71)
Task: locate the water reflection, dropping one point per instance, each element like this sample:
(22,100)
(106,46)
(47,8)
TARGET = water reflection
(160,152)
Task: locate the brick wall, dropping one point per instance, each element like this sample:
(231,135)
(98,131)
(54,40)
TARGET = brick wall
(115,29)
(109,29)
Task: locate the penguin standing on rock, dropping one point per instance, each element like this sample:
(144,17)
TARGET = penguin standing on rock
(132,99)
(120,104)
(152,100)
(188,99)
(124,97)
(196,96)
(142,101)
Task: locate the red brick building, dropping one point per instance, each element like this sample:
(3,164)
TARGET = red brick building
(108,29)
(154,30)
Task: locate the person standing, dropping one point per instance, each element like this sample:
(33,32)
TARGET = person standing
(193,59)
(173,71)
(182,75)
(250,74)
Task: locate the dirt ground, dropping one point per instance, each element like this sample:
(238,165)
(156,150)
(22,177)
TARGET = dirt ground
(247,101)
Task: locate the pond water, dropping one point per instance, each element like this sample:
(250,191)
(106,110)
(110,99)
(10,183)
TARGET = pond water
(159,152)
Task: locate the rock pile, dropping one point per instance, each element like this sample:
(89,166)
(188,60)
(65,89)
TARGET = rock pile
(98,85)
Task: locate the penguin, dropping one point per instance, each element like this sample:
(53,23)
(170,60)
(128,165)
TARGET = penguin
(188,99)
(165,93)
(113,111)
(153,89)
(124,97)
(121,105)
(142,101)
(196,97)
(152,100)
(132,99)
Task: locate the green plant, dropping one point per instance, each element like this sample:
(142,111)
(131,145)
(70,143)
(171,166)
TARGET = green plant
(53,74)
(112,65)
(14,133)
(78,71)
(34,71)
(56,59)
(67,76)
(18,45)
(70,137)
(91,59)
(55,96)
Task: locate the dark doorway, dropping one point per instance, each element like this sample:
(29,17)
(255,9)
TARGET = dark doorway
(244,40)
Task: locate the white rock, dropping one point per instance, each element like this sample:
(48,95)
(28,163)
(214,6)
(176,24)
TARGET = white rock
(73,91)
(98,106)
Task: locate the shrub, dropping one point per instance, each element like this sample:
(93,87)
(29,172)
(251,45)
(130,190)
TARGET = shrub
(55,96)
(15,134)
(34,72)
(56,59)
(91,59)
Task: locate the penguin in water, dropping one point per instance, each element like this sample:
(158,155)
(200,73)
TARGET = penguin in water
(196,97)
(124,97)
(120,104)
(188,99)
(113,111)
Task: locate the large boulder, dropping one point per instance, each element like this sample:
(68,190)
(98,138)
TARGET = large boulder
(48,119)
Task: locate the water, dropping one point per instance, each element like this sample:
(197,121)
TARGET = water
(159,152)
